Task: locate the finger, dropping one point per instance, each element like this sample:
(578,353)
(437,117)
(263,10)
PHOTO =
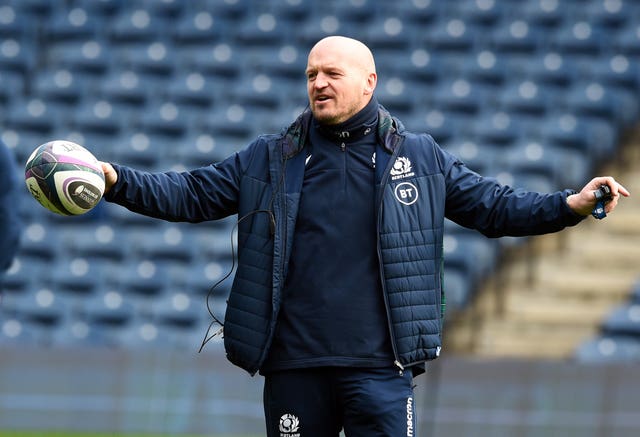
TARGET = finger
(622,190)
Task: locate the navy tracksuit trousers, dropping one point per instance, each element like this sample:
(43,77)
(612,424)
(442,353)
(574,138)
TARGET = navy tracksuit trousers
(320,402)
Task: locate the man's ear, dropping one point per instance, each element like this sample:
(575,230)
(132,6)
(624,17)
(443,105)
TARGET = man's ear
(372,80)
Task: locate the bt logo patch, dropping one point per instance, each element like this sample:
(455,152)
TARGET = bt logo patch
(406,193)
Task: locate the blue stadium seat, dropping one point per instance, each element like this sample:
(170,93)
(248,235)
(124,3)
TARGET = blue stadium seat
(12,86)
(482,12)
(547,13)
(497,129)
(608,349)
(136,25)
(40,242)
(138,149)
(286,62)
(415,13)
(353,11)
(71,24)
(98,115)
(595,99)
(526,98)
(201,278)
(200,27)
(17,55)
(235,121)
(40,306)
(262,30)
(168,243)
(200,149)
(390,33)
(168,119)
(610,14)
(98,242)
(16,25)
(34,115)
(103,9)
(397,95)
(568,131)
(230,10)
(627,40)
(294,11)
(16,332)
(623,321)
(60,86)
(486,67)
(483,158)
(178,309)
(194,89)
(549,68)
(460,95)
(79,276)
(108,309)
(222,61)
(560,167)
(20,276)
(23,142)
(77,333)
(441,125)
(91,58)
(617,71)
(451,35)
(125,89)
(579,38)
(516,37)
(38,8)
(149,335)
(154,60)
(260,91)
(325,25)
(144,278)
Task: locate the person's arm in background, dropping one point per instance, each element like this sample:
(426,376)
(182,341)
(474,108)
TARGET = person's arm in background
(10,225)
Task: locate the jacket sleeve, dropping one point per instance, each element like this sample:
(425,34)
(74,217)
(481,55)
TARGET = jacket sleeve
(206,193)
(496,210)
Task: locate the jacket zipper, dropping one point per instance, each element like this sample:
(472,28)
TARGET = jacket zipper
(383,185)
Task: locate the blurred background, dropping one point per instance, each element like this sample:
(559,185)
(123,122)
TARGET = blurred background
(102,315)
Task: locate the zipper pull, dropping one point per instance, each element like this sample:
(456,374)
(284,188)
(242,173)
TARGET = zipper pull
(399,366)
(343,147)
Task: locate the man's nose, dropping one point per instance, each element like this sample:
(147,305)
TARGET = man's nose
(321,81)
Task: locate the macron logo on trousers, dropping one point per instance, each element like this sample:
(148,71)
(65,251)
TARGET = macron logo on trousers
(409,417)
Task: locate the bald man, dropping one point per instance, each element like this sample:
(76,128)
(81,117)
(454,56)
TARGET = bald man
(338,296)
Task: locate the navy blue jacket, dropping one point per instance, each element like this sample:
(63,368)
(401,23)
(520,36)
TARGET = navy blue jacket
(418,184)
(9,208)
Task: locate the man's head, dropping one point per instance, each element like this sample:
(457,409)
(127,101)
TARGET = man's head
(341,77)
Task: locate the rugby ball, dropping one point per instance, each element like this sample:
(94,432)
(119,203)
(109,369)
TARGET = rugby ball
(64,177)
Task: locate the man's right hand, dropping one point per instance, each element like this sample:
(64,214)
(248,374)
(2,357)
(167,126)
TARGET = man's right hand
(110,176)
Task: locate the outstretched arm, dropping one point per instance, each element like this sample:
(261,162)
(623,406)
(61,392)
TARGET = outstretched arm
(583,202)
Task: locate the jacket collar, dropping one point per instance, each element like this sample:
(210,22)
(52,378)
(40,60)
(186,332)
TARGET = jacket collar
(295,136)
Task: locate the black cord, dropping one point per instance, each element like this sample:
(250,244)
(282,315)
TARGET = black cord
(215,320)
(272,230)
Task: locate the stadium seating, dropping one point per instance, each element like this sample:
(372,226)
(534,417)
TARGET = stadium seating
(534,92)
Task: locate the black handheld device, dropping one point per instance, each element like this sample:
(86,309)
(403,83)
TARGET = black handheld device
(602,195)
